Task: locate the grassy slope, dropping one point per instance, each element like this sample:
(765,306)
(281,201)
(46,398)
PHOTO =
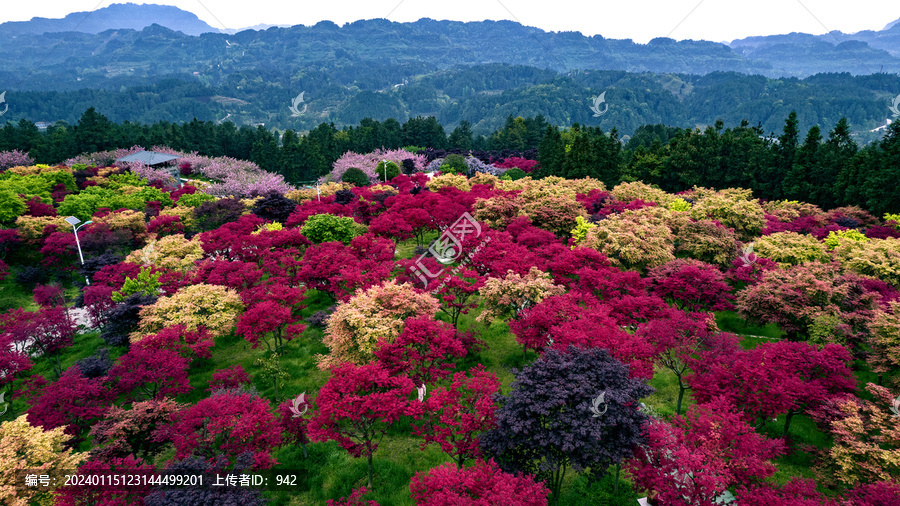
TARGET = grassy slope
(329,472)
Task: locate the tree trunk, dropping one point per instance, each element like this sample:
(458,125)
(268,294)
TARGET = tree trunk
(787,423)
(681,390)
(370,471)
(616,484)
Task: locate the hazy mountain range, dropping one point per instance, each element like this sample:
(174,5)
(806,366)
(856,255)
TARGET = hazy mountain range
(128,54)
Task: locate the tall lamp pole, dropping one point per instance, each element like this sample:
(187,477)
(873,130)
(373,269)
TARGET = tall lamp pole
(384,162)
(71,220)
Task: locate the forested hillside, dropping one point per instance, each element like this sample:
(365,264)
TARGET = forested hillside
(484,96)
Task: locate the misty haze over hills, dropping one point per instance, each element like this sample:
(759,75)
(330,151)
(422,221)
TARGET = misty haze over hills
(123,59)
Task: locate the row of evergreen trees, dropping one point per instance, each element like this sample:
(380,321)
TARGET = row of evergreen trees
(829,171)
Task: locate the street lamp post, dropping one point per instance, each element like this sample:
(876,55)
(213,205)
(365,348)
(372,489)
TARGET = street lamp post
(384,162)
(71,220)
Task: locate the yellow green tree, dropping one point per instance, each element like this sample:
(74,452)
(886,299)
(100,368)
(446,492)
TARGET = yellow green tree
(378,313)
(42,452)
(214,307)
(507,297)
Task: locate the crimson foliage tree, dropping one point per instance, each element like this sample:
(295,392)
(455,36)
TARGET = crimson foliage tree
(77,493)
(783,377)
(144,373)
(483,484)
(340,270)
(176,338)
(233,274)
(229,423)
(677,340)
(46,332)
(354,499)
(357,405)
(73,401)
(797,492)
(456,291)
(273,317)
(692,285)
(696,458)
(424,350)
(578,319)
(230,377)
(293,426)
(14,357)
(125,432)
(546,423)
(456,417)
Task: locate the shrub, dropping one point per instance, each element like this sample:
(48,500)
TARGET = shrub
(227,423)
(165,225)
(547,423)
(377,314)
(879,258)
(212,306)
(274,207)
(732,209)
(509,296)
(319,319)
(344,197)
(707,240)
(454,164)
(484,484)
(514,174)
(31,276)
(321,228)
(123,319)
(457,181)
(790,248)
(356,177)
(693,285)
(26,448)
(11,206)
(633,240)
(213,214)
(384,175)
(96,365)
(834,237)
(172,252)
(231,377)
(195,199)
(627,192)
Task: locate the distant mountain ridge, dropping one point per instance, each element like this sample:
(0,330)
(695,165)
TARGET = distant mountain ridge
(114,17)
(123,38)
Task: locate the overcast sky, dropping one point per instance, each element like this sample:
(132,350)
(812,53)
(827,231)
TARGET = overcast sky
(639,20)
